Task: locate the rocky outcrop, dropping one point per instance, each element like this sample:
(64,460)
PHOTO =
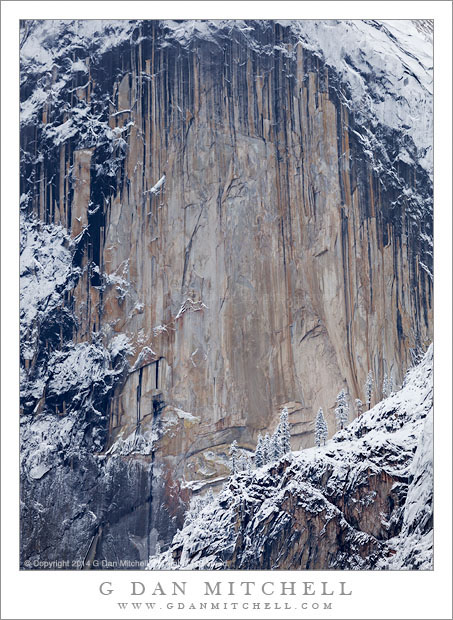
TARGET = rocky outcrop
(248,216)
(362,501)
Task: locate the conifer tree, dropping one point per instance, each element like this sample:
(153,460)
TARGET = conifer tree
(195,507)
(320,428)
(385,386)
(390,385)
(276,445)
(368,388)
(267,456)
(358,407)
(259,460)
(285,433)
(342,410)
(243,462)
(234,461)
(325,434)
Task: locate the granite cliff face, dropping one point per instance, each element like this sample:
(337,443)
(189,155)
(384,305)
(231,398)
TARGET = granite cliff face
(240,219)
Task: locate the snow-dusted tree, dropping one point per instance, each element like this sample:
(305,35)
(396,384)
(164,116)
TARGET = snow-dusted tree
(358,407)
(234,461)
(390,384)
(259,457)
(325,434)
(285,433)
(243,462)
(246,463)
(320,428)
(276,445)
(342,410)
(267,455)
(209,496)
(385,386)
(369,388)
(195,507)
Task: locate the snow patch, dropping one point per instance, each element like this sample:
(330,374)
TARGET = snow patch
(185,415)
(46,272)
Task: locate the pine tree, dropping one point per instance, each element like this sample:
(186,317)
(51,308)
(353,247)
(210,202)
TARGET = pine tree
(369,388)
(259,459)
(342,410)
(358,407)
(390,385)
(320,428)
(267,456)
(325,433)
(234,461)
(285,433)
(195,507)
(385,386)
(276,445)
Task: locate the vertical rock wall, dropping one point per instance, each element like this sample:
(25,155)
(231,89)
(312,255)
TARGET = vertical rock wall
(275,264)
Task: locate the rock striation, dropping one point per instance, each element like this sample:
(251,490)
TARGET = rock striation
(242,220)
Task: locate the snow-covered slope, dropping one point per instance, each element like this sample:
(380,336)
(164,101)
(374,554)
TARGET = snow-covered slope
(385,65)
(364,500)
(388,68)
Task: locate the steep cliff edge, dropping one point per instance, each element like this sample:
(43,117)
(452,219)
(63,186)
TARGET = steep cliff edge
(362,501)
(241,218)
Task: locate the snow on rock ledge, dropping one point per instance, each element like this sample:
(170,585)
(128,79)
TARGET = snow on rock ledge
(362,501)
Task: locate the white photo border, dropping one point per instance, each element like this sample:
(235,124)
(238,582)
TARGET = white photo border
(62,594)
